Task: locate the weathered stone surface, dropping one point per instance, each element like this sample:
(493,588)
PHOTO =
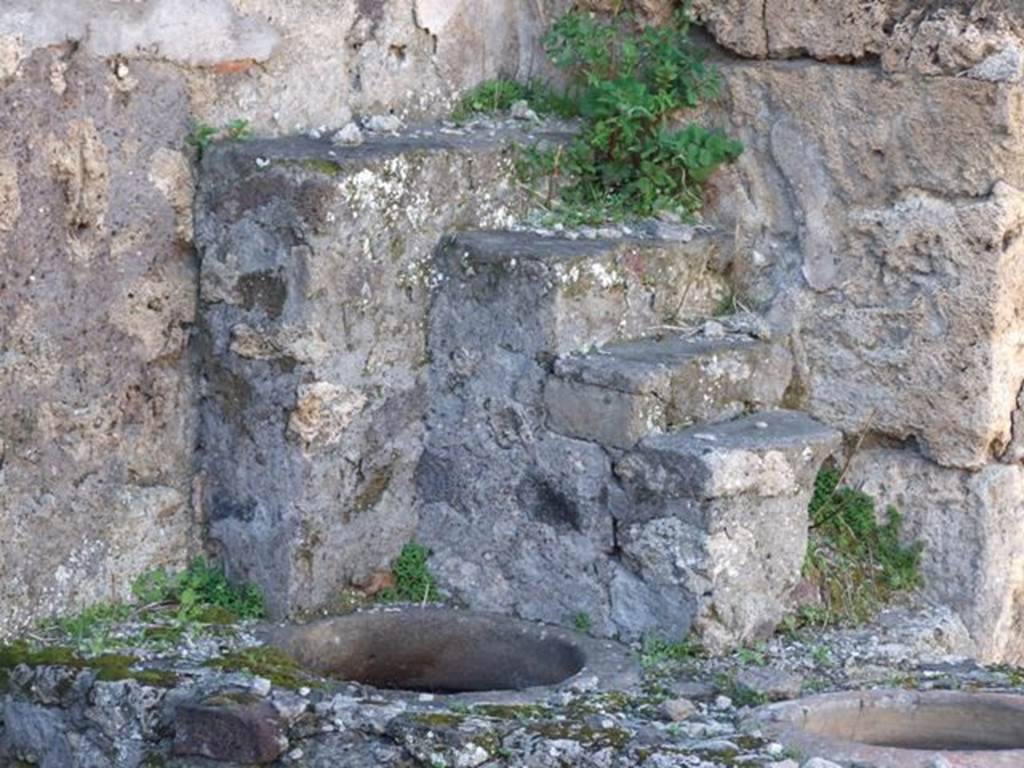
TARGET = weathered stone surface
(96,306)
(315,265)
(945,37)
(618,394)
(770,684)
(716,520)
(520,519)
(62,717)
(891,255)
(972,528)
(34,732)
(176,30)
(225,730)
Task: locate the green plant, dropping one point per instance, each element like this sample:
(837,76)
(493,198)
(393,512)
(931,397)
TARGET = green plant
(741,695)
(203,134)
(728,304)
(752,656)
(238,130)
(413,581)
(500,94)
(857,562)
(821,656)
(657,650)
(630,157)
(199,592)
(581,621)
(168,605)
(91,631)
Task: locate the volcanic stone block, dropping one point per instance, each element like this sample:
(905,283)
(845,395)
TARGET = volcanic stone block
(316,261)
(617,394)
(97,302)
(225,729)
(521,519)
(972,527)
(716,523)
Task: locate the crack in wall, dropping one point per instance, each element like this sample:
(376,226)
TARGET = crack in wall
(1014,451)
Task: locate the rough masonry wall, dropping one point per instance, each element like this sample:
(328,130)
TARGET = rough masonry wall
(98,278)
(96,301)
(315,266)
(878,214)
(288,65)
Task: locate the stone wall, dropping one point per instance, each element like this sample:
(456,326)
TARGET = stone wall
(316,264)
(98,277)
(97,299)
(877,216)
(878,211)
(288,65)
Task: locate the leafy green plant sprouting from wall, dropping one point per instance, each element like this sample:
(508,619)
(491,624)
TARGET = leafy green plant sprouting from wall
(197,591)
(857,563)
(632,157)
(501,94)
(203,135)
(414,583)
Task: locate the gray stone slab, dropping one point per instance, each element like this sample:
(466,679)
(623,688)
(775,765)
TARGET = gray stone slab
(617,394)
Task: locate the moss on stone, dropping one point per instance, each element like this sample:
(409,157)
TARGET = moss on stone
(113,667)
(160,634)
(617,738)
(18,653)
(216,615)
(439,719)
(109,667)
(602,703)
(231,699)
(512,711)
(266,661)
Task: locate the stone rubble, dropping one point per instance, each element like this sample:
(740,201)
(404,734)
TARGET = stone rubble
(690,712)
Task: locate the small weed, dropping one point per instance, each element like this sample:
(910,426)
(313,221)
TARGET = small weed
(203,134)
(92,630)
(413,581)
(752,657)
(200,593)
(499,95)
(169,604)
(857,563)
(741,695)
(821,656)
(238,130)
(727,305)
(901,680)
(581,621)
(657,651)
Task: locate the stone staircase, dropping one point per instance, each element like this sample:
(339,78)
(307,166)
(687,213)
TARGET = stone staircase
(552,415)
(584,455)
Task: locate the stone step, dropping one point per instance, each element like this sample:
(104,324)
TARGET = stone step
(714,532)
(617,394)
(585,292)
(505,502)
(773,453)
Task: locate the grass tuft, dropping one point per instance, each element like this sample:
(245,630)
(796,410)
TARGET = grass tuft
(855,556)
